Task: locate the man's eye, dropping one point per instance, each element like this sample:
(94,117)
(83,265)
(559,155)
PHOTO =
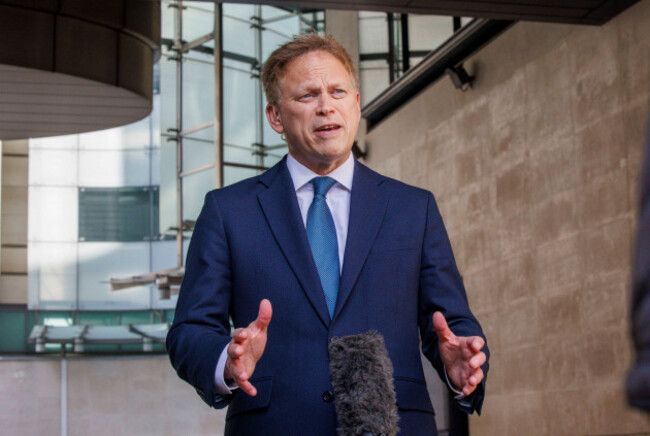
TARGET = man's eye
(305,96)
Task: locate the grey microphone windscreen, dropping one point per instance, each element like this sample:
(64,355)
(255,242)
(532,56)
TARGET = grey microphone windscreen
(362,378)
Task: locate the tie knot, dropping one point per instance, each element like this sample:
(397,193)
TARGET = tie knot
(322,185)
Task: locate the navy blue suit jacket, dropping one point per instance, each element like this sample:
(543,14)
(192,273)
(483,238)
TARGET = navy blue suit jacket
(250,243)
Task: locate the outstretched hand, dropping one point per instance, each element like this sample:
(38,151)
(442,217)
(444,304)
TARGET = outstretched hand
(246,348)
(461,355)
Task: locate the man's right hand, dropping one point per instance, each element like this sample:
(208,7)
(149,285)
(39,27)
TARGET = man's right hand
(246,348)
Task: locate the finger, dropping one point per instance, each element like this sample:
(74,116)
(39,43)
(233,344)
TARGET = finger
(264,315)
(442,329)
(476,343)
(247,387)
(240,335)
(477,360)
(473,381)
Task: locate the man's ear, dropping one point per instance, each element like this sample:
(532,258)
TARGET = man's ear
(359,104)
(273,116)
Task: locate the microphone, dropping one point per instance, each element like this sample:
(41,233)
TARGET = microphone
(362,378)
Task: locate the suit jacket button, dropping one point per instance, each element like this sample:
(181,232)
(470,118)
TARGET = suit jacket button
(328,397)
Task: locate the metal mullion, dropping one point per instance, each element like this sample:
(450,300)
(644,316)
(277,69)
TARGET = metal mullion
(238,19)
(278,33)
(279,18)
(197,170)
(200,61)
(197,128)
(260,90)
(241,147)
(197,42)
(241,165)
(218,97)
(178,33)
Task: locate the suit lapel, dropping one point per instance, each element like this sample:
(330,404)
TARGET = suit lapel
(280,207)
(367,210)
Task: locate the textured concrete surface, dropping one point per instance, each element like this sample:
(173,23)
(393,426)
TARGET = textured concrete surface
(105,396)
(536,174)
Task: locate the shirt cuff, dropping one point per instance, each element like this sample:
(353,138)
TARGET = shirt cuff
(459,396)
(220,384)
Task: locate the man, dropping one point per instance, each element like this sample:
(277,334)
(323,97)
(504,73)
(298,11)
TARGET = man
(296,258)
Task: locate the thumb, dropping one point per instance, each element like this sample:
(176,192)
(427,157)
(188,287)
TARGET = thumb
(264,315)
(442,329)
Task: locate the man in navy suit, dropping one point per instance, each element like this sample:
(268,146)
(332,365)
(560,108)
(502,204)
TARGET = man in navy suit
(319,246)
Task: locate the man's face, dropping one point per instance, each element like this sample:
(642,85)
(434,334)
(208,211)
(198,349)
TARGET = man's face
(318,111)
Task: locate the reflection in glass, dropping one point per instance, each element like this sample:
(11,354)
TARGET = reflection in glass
(198,19)
(195,186)
(197,153)
(125,259)
(235,174)
(240,114)
(198,92)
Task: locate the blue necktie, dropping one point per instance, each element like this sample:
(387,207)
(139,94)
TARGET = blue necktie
(322,239)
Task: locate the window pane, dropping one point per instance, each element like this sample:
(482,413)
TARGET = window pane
(238,36)
(132,136)
(205,134)
(235,174)
(57,142)
(197,153)
(52,275)
(56,319)
(140,317)
(118,214)
(163,254)
(167,17)
(114,168)
(374,78)
(241,107)
(125,259)
(241,11)
(274,156)
(52,213)
(52,167)
(96,318)
(242,155)
(195,187)
(198,93)
(373,33)
(12,331)
(427,32)
(167,185)
(198,19)
(167,94)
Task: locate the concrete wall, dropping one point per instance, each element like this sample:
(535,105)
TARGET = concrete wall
(536,174)
(105,396)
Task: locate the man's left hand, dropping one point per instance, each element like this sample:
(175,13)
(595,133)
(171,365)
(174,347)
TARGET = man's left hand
(461,355)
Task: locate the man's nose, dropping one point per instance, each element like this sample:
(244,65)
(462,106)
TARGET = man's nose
(325,104)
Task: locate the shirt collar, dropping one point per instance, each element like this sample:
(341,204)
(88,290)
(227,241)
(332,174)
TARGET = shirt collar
(301,175)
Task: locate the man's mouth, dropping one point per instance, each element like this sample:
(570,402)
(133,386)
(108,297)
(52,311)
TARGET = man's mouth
(328,127)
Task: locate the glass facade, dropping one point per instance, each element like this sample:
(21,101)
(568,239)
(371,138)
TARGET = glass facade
(250,34)
(105,204)
(390,44)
